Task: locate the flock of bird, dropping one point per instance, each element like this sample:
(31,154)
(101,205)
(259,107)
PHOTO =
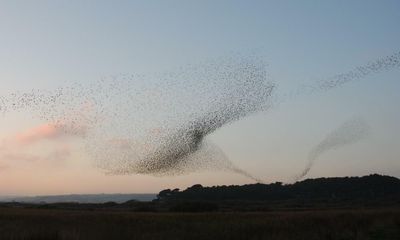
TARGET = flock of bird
(158,124)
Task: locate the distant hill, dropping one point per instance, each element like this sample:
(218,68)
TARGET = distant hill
(81,198)
(372,188)
(373,191)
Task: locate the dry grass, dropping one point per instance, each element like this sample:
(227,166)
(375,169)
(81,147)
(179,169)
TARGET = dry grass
(308,225)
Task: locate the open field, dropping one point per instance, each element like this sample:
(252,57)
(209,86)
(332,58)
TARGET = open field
(25,223)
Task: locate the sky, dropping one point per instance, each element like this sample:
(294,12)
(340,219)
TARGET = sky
(48,44)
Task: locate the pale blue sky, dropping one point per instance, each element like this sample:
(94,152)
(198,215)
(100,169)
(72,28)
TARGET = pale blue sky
(45,44)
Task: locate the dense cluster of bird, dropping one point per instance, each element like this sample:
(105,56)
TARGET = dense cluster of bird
(160,127)
(155,124)
(158,124)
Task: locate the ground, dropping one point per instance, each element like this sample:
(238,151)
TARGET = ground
(26,223)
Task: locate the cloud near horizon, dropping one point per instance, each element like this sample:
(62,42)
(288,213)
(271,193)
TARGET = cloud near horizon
(38,133)
(18,147)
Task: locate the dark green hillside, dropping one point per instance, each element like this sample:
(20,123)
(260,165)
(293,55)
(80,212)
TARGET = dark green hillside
(370,188)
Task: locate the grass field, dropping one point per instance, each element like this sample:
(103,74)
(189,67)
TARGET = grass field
(319,224)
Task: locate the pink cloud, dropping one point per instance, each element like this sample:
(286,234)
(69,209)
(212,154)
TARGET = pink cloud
(39,133)
(48,132)
(17,147)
